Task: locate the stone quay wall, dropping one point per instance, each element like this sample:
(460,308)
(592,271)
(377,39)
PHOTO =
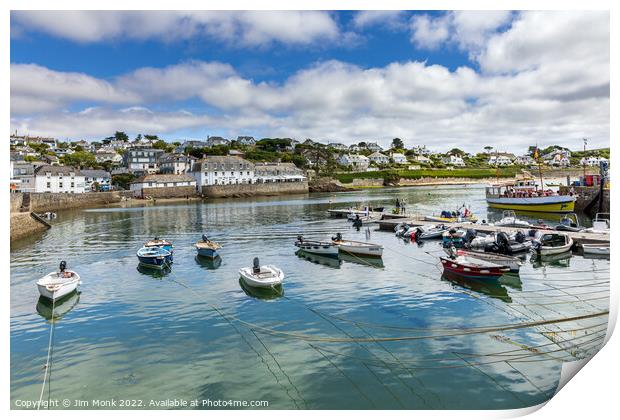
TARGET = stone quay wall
(249,190)
(169,192)
(42,202)
(24,225)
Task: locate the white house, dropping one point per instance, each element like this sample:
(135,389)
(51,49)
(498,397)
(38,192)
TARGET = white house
(217,141)
(453,160)
(246,140)
(278,172)
(423,159)
(359,162)
(96,180)
(374,147)
(524,160)
(142,160)
(176,163)
(167,183)
(57,179)
(379,158)
(223,170)
(592,161)
(354,148)
(338,146)
(107,155)
(399,158)
(501,159)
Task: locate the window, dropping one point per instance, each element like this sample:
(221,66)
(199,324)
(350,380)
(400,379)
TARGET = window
(73,185)
(60,184)
(49,185)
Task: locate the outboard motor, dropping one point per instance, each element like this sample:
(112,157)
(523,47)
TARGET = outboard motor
(256,266)
(503,243)
(470,234)
(63,266)
(520,237)
(300,238)
(204,238)
(338,237)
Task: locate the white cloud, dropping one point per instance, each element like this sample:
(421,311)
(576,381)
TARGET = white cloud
(550,86)
(366,18)
(245,28)
(429,32)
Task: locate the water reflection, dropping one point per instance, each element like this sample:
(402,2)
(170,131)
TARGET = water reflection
(209,263)
(490,288)
(512,280)
(558,260)
(262,293)
(333,262)
(54,311)
(156,273)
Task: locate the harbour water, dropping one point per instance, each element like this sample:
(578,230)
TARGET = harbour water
(356,333)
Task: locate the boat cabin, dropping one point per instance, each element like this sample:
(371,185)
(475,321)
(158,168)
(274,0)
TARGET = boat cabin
(518,189)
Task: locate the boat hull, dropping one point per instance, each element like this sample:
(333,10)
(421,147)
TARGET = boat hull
(156,262)
(326,250)
(513,263)
(370,251)
(595,249)
(56,293)
(275,278)
(470,272)
(207,252)
(552,204)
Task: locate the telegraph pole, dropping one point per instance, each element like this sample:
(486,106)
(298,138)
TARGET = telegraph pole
(585,143)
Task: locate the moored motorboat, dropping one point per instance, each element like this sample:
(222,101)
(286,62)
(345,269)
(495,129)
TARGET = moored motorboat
(327,249)
(453,217)
(470,268)
(160,243)
(266,276)
(430,231)
(458,238)
(509,261)
(357,248)
(509,219)
(525,195)
(600,224)
(207,248)
(596,249)
(569,223)
(58,284)
(552,243)
(154,256)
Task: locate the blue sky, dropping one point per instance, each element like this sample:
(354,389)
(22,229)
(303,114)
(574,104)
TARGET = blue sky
(438,78)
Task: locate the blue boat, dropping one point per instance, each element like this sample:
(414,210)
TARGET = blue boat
(207,248)
(160,243)
(154,256)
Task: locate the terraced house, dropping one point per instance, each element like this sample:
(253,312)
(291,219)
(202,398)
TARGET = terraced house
(223,170)
(57,179)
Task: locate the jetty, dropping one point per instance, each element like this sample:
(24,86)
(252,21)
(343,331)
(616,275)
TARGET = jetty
(390,222)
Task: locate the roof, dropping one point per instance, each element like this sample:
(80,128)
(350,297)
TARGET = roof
(377,154)
(55,170)
(95,173)
(163,178)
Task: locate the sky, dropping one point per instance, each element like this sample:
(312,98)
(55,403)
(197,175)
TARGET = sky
(443,79)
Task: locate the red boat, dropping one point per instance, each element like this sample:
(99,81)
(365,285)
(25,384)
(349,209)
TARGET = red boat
(471,268)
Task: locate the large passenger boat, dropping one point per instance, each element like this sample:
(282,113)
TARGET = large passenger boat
(525,195)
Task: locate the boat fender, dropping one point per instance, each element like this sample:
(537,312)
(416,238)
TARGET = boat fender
(413,235)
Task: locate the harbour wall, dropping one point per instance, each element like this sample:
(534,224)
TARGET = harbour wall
(24,225)
(586,196)
(249,190)
(43,202)
(169,192)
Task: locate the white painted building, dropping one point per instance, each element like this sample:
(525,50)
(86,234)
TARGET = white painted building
(374,147)
(96,180)
(338,146)
(501,159)
(171,181)
(57,179)
(421,150)
(246,140)
(399,158)
(423,159)
(176,163)
(223,170)
(592,161)
(142,160)
(524,160)
(217,141)
(379,158)
(359,162)
(453,160)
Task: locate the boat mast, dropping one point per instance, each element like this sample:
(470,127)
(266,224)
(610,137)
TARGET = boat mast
(537,157)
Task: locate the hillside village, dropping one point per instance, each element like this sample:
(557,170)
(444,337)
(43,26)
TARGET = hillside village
(44,164)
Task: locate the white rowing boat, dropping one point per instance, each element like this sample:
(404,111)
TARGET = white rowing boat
(58,284)
(600,249)
(357,248)
(266,276)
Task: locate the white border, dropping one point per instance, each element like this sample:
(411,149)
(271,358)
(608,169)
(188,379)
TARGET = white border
(592,394)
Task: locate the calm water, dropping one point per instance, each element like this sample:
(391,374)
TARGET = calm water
(195,333)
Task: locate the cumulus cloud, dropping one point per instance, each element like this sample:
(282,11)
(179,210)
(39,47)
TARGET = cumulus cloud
(391,18)
(429,32)
(244,28)
(550,86)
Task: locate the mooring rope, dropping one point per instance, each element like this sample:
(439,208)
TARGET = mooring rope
(49,353)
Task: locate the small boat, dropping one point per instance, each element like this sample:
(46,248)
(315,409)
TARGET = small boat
(502,243)
(357,248)
(458,238)
(154,256)
(509,219)
(160,243)
(552,243)
(524,195)
(326,260)
(569,223)
(451,217)
(596,249)
(470,268)
(430,231)
(261,276)
(600,224)
(207,248)
(513,263)
(327,249)
(58,284)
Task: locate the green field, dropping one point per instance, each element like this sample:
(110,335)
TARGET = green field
(393,174)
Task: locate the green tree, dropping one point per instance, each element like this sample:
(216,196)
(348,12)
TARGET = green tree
(151,137)
(161,144)
(79,159)
(456,152)
(40,148)
(139,137)
(397,144)
(123,180)
(121,136)
(488,149)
